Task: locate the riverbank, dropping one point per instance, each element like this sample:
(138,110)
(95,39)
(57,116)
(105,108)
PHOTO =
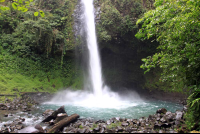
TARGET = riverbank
(161,122)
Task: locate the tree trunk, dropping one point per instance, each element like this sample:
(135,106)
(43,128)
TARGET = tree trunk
(60,117)
(63,123)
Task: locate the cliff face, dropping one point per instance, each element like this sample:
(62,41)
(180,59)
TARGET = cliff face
(121,52)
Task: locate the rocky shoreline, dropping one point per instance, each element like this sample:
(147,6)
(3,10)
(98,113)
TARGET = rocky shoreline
(162,121)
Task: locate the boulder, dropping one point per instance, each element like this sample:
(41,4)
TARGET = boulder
(54,114)
(179,115)
(161,111)
(30,129)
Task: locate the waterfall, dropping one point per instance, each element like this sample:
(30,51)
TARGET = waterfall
(102,96)
(94,58)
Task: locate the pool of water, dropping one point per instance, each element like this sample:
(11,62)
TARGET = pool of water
(134,110)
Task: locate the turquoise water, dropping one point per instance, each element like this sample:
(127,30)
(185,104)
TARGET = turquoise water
(137,110)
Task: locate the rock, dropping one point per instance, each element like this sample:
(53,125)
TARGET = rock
(157,126)
(163,120)
(97,128)
(166,125)
(102,130)
(124,123)
(119,129)
(38,127)
(5,115)
(47,112)
(81,130)
(54,114)
(161,111)
(19,127)
(108,122)
(29,129)
(179,115)
(161,131)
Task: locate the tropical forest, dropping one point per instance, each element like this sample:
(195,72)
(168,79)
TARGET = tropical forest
(99,66)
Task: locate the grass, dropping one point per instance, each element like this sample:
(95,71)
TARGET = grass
(114,125)
(25,75)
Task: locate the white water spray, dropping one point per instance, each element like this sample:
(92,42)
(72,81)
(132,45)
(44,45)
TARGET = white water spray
(94,60)
(101,97)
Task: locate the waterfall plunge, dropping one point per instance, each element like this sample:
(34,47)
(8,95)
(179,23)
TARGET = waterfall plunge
(101,97)
(94,60)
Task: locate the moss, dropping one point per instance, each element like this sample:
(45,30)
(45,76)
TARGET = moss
(114,125)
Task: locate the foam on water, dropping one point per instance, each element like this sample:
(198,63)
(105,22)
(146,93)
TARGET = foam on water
(87,99)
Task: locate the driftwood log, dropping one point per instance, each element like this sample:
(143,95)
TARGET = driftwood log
(54,114)
(60,117)
(63,123)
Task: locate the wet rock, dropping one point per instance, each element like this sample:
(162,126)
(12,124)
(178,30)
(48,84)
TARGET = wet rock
(54,114)
(29,129)
(47,112)
(38,127)
(161,111)
(5,115)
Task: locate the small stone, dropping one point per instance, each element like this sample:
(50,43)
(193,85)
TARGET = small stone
(124,124)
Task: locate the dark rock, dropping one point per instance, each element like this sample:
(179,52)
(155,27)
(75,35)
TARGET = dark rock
(161,111)
(54,114)
(119,129)
(166,125)
(157,126)
(5,115)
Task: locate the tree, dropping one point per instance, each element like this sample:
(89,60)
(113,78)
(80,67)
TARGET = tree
(176,26)
(21,5)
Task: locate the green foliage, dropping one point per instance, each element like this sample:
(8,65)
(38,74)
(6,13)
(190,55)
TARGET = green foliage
(21,5)
(117,17)
(114,125)
(175,24)
(192,116)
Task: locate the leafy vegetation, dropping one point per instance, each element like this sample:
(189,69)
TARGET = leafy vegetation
(36,53)
(175,25)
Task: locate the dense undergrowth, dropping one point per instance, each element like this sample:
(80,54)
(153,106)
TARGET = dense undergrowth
(36,52)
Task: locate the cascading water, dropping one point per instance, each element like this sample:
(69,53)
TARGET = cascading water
(94,60)
(101,96)
(101,103)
